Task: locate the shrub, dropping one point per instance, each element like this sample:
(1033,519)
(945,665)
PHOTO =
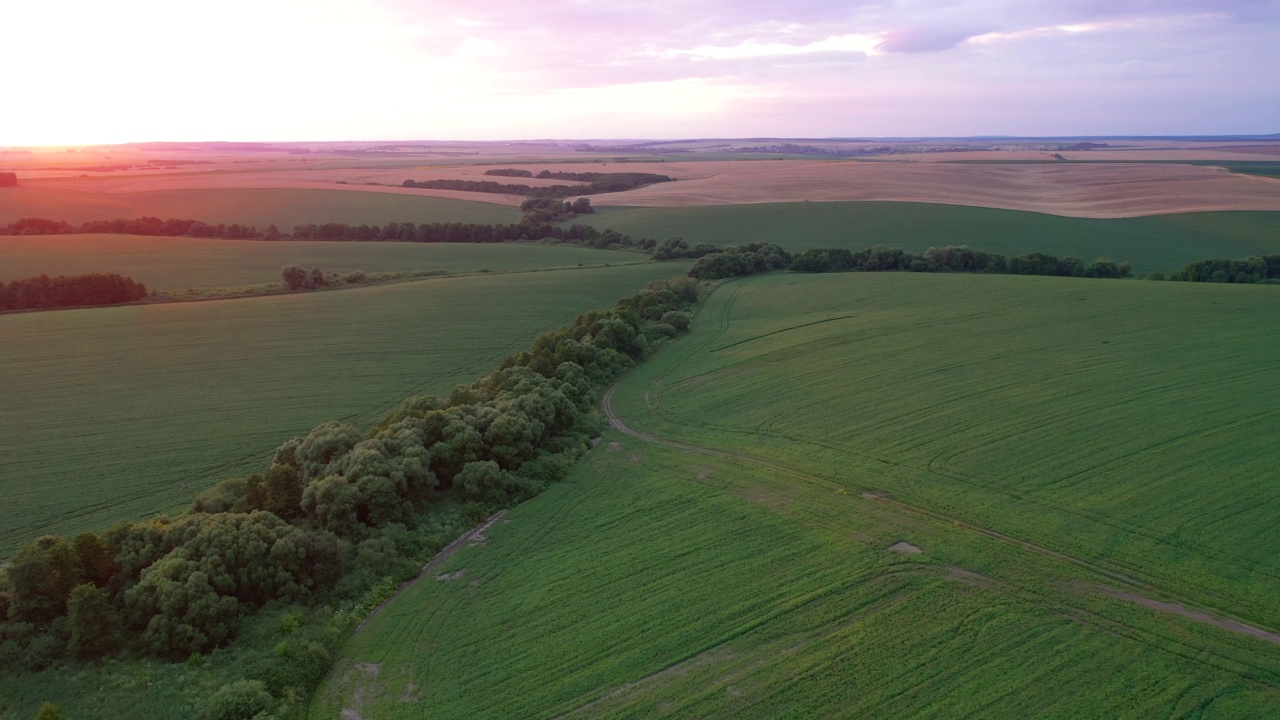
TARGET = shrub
(240,700)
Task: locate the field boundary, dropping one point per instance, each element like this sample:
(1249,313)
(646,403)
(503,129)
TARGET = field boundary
(434,563)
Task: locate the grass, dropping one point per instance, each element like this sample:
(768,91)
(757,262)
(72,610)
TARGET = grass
(1130,424)
(249,206)
(185,263)
(656,582)
(1038,439)
(1152,244)
(120,413)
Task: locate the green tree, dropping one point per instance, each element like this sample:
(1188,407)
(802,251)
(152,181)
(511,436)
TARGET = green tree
(294,277)
(240,700)
(93,622)
(41,578)
(96,563)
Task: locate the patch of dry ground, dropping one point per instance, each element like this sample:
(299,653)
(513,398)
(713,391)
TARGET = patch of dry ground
(1228,624)
(1075,190)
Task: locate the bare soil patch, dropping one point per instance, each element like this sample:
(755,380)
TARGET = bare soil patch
(1226,624)
(905,548)
(1076,190)
(614,446)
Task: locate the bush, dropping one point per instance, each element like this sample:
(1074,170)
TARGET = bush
(355,278)
(676,319)
(240,700)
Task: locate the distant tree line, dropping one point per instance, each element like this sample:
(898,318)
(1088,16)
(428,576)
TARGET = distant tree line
(594,184)
(762,257)
(338,514)
(542,220)
(44,292)
(8,179)
(1253,269)
(470,233)
(151,226)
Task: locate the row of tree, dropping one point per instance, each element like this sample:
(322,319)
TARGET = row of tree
(1253,269)
(593,184)
(150,226)
(529,229)
(333,512)
(758,257)
(540,222)
(44,292)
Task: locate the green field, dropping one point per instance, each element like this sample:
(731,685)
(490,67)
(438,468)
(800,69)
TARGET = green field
(1134,425)
(1045,443)
(182,263)
(250,206)
(661,583)
(1152,244)
(118,413)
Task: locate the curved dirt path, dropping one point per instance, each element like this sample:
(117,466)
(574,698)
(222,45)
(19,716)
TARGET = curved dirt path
(1181,609)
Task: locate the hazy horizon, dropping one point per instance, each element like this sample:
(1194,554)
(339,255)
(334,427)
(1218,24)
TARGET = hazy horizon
(293,70)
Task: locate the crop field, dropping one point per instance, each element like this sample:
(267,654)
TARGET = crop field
(1131,425)
(284,207)
(659,582)
(1157,243)
(1098,190)
(116,413)
(164,263)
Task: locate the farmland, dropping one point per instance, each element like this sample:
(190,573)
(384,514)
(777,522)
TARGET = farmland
(118,413)
(1132,425)
(165,263)
(857,494)
(1022,436)
(1096,190)
(661,582)
(1153,244)
(284,207)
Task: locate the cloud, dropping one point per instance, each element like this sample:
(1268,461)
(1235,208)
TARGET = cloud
(924,39)
(509,69)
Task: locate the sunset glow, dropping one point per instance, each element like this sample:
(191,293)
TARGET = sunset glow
(143,70)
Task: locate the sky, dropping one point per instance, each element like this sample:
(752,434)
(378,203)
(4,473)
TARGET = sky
(93,72)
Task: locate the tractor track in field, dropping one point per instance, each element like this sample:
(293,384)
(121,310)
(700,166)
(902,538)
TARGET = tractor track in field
(1132,585)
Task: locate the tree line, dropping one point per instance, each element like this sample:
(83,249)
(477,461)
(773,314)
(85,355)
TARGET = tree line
(44,292)
(1253,269)
(762,257)
(337,513)
(151,226)
(542,220)
(593,184)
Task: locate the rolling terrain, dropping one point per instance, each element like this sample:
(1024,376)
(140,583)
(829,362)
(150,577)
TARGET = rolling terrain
(115,413)
(182,263)
(257,206)
(1152,244)
(865,495)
